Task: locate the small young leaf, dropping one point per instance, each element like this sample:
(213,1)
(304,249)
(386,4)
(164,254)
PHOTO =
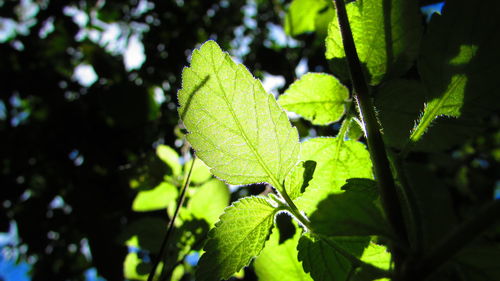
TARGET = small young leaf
(400,102)
(209,201)
(170,157)
(352,213)
(155,199)
(386,34)
(298,179)
(335,163)
(278,262)
(318,97)
(238,237)
(236,128)
(458,62)
(301,16)
(354,132)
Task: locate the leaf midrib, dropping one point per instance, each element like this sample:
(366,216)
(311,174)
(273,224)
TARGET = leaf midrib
(272,213)
(433,113)
(273,179)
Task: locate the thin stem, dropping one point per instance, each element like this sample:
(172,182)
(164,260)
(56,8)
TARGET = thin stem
(295,211)
(412,208)
(455,241)
(170,227)
(383,175)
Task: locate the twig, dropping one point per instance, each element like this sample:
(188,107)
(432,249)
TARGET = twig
(170,227)
(455,241)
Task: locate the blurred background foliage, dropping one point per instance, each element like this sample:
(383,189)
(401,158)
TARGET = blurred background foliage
(91,150)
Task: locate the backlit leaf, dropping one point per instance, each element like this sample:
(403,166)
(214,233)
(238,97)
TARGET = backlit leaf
(209,201)
(351,213)
(386,34)
(336,161)
(325,258)
(278,262)
(323,261)
(236,128)
(298,179)
(238,237)
(170,157)
(301,16)
(318,97)
(155,199)
(458,62)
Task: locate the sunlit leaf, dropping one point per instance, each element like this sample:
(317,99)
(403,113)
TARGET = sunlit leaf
(336,161)
(134,268)
(351,213)
(200,174)
(298,179)
(155,199)
(238,237)
(326,259)
(318,97)
(387,37)
(323,261)
(209,201)
(235,127)
(278,262)
(170,157)
(458,62)
(301,16)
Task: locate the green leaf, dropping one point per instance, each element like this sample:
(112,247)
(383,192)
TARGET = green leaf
(336,161)
(329,258)
(155,199)
(238,237)
(301,16)
(144,233)
(400,102)
(278,262)
(298,179)
(201,172)
(322,20)
(458,62)
(322,259)
(387,36)
(354,131)
(236,128)
(352,213)
(170,157)
(318,97)
(134,268)
(377,256)
(209,201)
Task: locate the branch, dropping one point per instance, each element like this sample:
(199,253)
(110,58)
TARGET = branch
(455,241)
(361,92)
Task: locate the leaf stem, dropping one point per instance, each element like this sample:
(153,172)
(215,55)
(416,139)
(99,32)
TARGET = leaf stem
(170,227)
(361,92)
(455,241)
(295,211)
